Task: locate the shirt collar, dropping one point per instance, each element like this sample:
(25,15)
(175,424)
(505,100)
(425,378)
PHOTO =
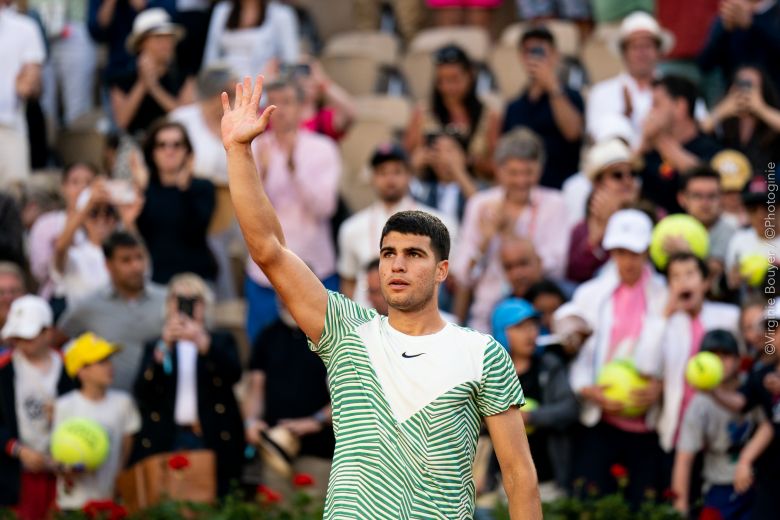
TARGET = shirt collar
(114,294)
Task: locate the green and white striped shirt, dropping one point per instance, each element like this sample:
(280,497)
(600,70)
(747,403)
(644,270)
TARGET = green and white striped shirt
(406,413)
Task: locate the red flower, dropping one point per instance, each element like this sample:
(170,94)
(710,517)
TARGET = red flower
(178,462)
(669,495)
(618,471)
(268,495)
(303,480)
(710,513)
(104,509)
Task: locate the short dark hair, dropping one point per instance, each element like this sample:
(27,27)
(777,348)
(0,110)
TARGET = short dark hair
(423,224)
(544,287)
(539,32)
(79,164)
(698,172)
(686,256)
(119,239)
(373,264)
(679,87)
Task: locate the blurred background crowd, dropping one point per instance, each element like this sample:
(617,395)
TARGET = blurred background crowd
(550,136)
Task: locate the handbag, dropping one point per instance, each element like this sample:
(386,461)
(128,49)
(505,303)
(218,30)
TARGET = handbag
(188,476)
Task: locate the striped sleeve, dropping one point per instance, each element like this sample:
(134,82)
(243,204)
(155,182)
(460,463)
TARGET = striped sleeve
(499,387)
(341,317)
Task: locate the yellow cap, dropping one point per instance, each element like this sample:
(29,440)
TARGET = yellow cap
(734,169)
(86,350)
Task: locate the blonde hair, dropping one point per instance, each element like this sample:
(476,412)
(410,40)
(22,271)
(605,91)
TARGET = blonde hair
(194,285)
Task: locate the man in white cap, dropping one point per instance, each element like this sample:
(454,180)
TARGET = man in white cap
(31,378)
(624,308)
(641,43)
(615,184)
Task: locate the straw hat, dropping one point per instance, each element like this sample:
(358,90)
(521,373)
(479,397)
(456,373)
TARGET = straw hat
(152,21)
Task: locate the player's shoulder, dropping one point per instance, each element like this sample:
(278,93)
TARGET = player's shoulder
(345,309)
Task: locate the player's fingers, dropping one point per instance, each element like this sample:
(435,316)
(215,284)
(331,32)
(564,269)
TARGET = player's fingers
(257,91)
(239,95)
(225,103)
(247,89)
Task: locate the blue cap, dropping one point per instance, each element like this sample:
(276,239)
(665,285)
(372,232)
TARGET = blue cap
(509,312)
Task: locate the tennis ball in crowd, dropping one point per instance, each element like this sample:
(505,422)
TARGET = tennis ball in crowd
(529,406)
(621,378)
(679,225)
(753,268)
(704,371)
(80,442)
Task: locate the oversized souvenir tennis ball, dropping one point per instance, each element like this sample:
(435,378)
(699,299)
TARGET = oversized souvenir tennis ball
(529,406)
(753,268)
(685,226)
(621,378)
(704,371)
(80,442)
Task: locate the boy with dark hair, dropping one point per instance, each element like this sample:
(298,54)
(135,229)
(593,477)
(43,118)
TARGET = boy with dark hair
(31,378)
(689,316)
(721,434)
(88,359)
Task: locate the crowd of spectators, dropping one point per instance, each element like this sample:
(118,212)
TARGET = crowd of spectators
(110,290)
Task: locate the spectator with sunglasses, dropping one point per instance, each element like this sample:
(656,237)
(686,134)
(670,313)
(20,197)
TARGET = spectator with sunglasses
(78,266)
(177,207)
(455,111)
(615,186)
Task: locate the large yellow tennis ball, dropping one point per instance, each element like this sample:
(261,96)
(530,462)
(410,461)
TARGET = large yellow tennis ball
(678,225)
(529,406)
(80,442)
(754,268)
(704,371)
(621,378)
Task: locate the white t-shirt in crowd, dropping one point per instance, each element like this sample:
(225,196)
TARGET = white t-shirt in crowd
(21,43)
(117,413)
(186,407)
(85,272)
(210,160)
(746,242)
(36,391)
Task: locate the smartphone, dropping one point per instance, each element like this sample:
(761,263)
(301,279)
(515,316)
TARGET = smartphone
(537,51)
(121,191)
(744,84)
(186,305)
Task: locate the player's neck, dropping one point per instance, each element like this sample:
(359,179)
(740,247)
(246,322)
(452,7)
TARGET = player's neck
(422,322)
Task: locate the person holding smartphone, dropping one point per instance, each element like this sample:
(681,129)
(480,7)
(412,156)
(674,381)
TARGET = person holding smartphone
(184,388)
(747,119)
(549,108)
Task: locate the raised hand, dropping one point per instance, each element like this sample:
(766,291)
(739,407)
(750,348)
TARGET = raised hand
(240,125)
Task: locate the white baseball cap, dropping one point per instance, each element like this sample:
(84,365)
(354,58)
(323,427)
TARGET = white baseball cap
(642,22)
(628,229)
(604,154)
(28,316)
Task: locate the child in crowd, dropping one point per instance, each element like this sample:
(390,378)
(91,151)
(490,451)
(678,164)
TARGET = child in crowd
(31,378)
(544,378)
(724,437)
(88,358)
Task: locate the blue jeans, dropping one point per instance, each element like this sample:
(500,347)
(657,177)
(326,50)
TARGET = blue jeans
(262,308)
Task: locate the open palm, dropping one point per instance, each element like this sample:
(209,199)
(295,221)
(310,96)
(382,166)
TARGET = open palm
(240,125)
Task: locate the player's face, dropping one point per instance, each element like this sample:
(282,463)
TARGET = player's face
(409,271)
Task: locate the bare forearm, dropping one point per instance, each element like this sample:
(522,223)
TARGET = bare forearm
(771,117)
(674,153)
(106,13)
(681,475)
(523,495)
(731,399)
(64,241)
(757,444)
(343,103)
(256,216)
(567,118)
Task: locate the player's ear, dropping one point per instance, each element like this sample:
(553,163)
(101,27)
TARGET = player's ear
(442,269)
